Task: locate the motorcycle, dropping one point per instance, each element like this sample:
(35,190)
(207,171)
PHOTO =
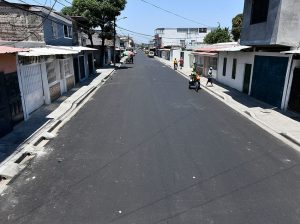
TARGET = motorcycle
(194,82)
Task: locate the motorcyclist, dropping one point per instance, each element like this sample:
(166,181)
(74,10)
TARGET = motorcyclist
(195,77)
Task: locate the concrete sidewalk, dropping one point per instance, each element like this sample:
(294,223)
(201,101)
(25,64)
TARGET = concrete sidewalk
(41,118)
(271,119)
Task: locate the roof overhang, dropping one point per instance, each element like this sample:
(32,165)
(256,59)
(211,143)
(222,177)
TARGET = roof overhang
(205,54)
(46,51)
(291,52)
(11,50)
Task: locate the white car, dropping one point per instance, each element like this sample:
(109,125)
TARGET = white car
(151,54)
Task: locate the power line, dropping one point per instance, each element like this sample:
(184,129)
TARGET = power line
(175,14)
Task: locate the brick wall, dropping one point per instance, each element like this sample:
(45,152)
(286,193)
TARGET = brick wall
(19,25)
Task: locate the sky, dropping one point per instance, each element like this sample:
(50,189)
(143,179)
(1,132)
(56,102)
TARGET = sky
(145,18)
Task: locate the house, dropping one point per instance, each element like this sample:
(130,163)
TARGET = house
(109,48)
(271,27)
(47,70)
(11,109)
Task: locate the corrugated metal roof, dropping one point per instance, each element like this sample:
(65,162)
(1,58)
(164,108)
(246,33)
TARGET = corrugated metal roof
(44,51)
(73,48)
(11,50)
(230,46)
(234,48)
(205,53)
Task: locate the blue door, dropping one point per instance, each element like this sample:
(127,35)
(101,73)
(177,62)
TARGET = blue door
(268,79)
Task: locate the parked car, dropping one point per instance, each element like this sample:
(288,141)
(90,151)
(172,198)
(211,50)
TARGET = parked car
(151,54)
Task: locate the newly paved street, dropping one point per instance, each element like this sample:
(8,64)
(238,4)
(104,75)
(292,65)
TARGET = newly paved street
(147,150)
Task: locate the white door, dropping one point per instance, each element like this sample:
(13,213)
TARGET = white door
(32,87)
(63,81)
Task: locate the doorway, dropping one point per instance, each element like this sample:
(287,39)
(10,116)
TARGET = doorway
(247,77)
(294,102)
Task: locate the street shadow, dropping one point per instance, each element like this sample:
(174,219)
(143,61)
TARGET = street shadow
(251,102)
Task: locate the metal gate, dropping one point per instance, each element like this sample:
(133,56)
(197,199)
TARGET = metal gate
(268,79)
(32,86)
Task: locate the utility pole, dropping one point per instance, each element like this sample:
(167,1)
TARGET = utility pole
(114,56)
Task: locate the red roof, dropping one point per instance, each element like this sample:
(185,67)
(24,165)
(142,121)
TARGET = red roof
(205,53)
(11,50)
(216,47)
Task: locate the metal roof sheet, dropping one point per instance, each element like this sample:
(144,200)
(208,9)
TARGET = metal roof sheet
(11,50)
(234,48)
(205,53)
(73,48)
(44,51)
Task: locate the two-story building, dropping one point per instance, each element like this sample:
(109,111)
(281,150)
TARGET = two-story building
(271,27)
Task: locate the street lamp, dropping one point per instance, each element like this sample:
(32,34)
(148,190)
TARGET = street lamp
(115,38)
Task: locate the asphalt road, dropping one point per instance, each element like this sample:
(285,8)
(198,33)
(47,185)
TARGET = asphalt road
(147,150)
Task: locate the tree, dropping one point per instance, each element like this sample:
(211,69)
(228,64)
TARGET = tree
(218,35)
(237,26)
(97,13)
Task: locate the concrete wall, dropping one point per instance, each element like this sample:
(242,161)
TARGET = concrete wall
(242,59)
(281,27)
(289,23)
(8,63)
(260,33)
(175,54)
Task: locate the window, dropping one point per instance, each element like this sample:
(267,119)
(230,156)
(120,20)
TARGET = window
(182,30)
(259,13)
(54,30)
(202,30)
(68,31)
(182,43)
(193,30)
(233,68)
(224,66)
(160,31)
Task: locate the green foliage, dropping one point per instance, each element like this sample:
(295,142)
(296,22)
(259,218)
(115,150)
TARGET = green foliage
(237,22)
(218,35)
(97,13)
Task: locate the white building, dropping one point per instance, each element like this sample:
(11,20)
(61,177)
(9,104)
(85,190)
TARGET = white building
(183,37)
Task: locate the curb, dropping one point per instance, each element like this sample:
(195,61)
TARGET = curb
(13,165)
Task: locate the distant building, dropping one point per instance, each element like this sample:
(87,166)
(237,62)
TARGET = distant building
(180,37)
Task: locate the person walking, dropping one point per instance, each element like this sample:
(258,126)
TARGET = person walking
(209,77)
(175,64)
(181,62)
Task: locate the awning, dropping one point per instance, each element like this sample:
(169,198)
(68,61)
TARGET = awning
(163,49)
(44,51)
(204,53)
(73,48)
(11,50)
(232,49)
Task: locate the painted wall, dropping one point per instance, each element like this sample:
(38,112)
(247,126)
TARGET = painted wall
(243,58)
(60,40)
(8,63)
(175,54)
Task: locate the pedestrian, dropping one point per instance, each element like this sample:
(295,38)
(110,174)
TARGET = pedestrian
(175,63)
(209,76)
(181,62)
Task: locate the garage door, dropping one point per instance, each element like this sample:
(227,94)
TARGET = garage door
(32,86)
(268,79)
